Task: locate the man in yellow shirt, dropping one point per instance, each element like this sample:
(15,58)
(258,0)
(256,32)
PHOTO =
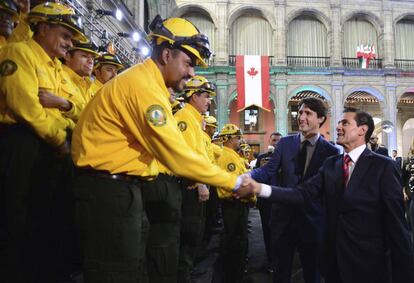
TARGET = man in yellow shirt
(214,152)
(78,66)
(33,141)
(119,138)
(197,97)
(106,68)
(9,14)
(235,212)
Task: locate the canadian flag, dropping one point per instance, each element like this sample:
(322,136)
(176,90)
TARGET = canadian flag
(253,83)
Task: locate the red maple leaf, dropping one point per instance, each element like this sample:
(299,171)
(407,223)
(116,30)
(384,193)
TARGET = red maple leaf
(252,72)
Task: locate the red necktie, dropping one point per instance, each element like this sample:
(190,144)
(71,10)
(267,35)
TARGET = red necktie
(347,161)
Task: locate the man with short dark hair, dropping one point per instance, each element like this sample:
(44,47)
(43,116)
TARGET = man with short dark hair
(377,148)
(366,235)
(298,157)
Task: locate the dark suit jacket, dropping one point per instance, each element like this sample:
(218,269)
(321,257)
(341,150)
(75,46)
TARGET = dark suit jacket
(382,150)
(366,229)
(285,157)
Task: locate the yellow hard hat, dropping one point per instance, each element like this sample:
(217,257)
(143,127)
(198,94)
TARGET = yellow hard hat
(210,121)
(230,130)
(89,47)
(60,14)
(245,147)
(180,33)
(109,59)
(10,7)
(199,84)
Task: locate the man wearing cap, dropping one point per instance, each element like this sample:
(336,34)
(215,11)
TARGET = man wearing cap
(106,67)
(34,139)
(119,138)
(9,14)
(78,66)
(235,212)
(214,152)
(197,96)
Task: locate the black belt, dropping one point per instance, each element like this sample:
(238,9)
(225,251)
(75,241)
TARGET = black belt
(107,175)
(169,178)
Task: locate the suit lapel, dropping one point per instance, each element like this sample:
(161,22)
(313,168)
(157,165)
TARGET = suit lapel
(360,169)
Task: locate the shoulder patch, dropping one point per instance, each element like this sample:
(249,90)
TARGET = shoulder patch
(7,68)
(156,115)
(182,126)
(231,167)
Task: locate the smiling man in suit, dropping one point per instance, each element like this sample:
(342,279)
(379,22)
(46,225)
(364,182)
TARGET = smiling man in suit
(298,157)
(366,237)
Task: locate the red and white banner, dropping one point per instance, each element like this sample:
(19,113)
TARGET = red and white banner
(253,83)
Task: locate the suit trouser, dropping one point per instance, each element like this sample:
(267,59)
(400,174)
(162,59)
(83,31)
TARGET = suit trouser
(283,253)
(163,199)
(265,209)
(113,228)
(192,230)
(235,239)
(29,212)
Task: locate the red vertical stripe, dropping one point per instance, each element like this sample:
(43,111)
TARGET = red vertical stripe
(265,82)
(240,81)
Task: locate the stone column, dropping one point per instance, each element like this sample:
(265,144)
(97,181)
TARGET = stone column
(336,35)
(281,109)
(280,33)
(337,103)
(222,89)
(222,38)
(388,37)
(390,112)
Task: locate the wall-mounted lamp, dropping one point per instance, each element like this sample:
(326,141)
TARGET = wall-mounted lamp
(117,14)
(136,36)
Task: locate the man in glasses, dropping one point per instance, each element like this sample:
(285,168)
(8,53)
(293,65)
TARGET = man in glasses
(33,142)
(121,137)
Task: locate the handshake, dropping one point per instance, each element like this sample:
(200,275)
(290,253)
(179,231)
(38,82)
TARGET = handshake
(248,188)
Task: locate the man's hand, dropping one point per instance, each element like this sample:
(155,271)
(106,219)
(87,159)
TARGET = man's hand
(203,193)
(49,100)
(248,188)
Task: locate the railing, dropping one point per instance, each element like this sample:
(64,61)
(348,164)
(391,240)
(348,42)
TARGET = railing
(354,63)
(404,64)
(308,61)
(232,60)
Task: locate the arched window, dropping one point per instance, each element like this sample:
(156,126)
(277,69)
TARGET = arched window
(251,35)
(358,31)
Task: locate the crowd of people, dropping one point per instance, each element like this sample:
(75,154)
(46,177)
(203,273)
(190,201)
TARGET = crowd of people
(108,174)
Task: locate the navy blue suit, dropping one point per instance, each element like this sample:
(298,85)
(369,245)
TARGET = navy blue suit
(366,237)
(294,227)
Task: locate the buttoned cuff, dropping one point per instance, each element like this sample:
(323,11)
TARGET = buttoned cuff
(266,191)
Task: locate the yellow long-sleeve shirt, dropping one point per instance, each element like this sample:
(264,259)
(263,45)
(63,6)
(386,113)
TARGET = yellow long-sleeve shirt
(232,163)
(129,124)
(26,68)
(74,89)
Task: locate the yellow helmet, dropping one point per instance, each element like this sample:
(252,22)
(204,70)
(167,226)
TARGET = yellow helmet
(210,121)
(199,84)
(230,130)
(10,7)
(60,14)
(110,59)
(89,47)
(245,147)
(180,33)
